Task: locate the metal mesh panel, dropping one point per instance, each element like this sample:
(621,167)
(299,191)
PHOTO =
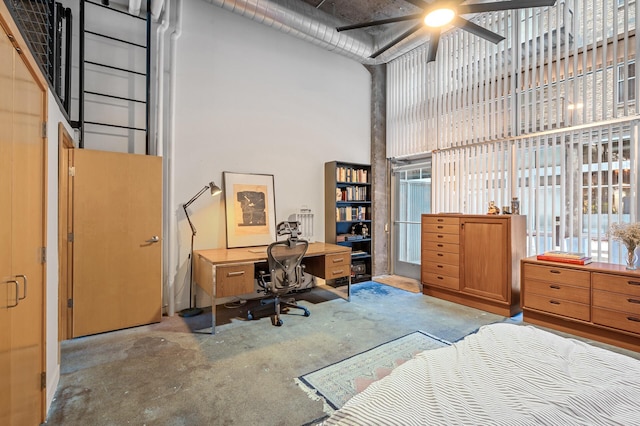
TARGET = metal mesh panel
(35,20)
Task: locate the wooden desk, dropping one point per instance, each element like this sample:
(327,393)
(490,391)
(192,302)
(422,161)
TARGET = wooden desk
(231,272)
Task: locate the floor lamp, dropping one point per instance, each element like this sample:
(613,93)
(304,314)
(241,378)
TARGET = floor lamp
(193,310)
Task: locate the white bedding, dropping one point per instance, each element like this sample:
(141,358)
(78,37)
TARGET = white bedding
(504,374)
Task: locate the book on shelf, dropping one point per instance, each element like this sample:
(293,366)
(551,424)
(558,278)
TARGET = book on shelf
(573,261)
(565,254)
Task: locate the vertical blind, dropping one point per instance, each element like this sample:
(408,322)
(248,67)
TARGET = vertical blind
(548,116)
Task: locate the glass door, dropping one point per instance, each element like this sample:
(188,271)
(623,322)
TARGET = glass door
(411,197)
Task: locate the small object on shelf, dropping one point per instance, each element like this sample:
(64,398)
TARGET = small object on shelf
(566,254)
(505,210)
(493,209)
(582,261)
(515,206)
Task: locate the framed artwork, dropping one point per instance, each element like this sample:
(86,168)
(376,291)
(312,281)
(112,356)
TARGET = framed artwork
(250,209)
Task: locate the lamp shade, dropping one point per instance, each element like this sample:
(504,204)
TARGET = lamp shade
(215,189)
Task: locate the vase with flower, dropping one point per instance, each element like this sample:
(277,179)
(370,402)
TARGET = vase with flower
(629,235)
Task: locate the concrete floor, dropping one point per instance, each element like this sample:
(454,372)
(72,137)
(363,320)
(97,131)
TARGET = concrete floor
(176,373)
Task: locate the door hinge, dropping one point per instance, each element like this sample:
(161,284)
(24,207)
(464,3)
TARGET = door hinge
(70,237)
(43,379)
(43,255)
(72,171)
(44,129)
(69,303)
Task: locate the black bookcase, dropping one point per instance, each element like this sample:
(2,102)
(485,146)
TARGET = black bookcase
(348,213)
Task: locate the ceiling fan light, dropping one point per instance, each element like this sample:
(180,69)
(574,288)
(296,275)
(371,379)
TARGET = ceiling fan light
(439,17)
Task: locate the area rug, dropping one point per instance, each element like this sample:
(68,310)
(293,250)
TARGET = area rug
(337,383)
(403,283)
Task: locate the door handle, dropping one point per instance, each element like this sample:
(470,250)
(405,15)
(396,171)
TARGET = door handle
(17,293)
(153,239)
(24,279)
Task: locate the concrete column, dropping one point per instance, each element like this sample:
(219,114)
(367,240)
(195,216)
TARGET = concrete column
(379,170)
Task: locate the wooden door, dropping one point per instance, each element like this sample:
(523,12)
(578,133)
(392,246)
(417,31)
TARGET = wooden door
(485,267)
(117,211)
(7,287)
(23,147)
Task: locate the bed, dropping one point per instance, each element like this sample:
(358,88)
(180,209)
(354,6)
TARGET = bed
(505,374)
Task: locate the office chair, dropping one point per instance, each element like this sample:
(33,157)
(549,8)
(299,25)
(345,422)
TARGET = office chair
(286,274)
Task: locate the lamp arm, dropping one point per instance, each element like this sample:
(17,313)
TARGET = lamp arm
(193,228)
(188,203)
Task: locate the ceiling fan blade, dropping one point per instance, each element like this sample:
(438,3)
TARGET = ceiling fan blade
(477,30)
(433,46)
(398,39)
(380,22)
(503,5)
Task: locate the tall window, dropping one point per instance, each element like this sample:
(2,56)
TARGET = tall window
(626,82)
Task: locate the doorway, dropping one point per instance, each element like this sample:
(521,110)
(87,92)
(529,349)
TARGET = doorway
(410,198)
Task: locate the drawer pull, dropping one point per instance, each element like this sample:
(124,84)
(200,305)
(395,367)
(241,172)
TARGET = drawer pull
(440,236)
(634,319)
(440,226)
(340,260)
(553,271)
(440,220)
(633,282)
(440,254)
(235,274)
(338,272)
(440,245)
(555,287)
(553,302)
(440,278)
(633,301)
(440,266)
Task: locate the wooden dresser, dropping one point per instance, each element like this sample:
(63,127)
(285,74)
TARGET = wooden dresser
(474,260)
(599,301)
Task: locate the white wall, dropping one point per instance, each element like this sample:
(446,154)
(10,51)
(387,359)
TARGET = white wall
(52,267)
(251,99)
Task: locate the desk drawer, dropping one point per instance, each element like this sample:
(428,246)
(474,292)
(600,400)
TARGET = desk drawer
(233,280)
(330,266)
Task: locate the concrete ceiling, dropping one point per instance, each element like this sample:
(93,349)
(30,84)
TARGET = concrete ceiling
(358,11)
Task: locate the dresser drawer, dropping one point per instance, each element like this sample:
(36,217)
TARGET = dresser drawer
(440,257)
(440,246)
(440,220)
(616,319)
(441,237)
(440,269)
(439,280)
(556,291)
(559,275)
(557,306)
(441,228)
(233,280)
(616,301)
(617,283)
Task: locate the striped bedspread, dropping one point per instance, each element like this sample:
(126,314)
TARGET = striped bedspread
(505,374)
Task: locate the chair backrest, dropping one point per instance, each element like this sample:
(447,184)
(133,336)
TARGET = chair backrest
(285,264)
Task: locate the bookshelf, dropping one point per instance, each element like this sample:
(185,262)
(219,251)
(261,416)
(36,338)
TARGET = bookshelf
(348,213)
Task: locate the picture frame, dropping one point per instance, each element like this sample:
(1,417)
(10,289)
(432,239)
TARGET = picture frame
(250,210)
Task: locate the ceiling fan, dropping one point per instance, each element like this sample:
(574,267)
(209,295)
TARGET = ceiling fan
(438,13)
